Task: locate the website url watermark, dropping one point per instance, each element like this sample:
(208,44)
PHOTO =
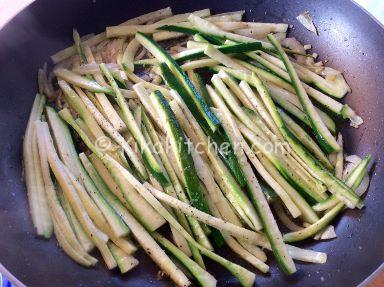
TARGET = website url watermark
(105,144)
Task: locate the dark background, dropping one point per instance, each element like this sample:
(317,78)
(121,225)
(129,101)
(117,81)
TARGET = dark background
(349,38)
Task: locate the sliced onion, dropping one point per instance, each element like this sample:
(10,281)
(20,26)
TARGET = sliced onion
(335,78)
(308,62)
(363,186)
(327,233)
(351,162)
(305,19)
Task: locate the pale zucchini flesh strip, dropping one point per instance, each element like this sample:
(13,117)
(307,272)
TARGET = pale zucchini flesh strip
(61,223)
(94,40)
(70,193)
(32,182)
(323,135)
(353,180)
(233,190)
(269,224)
(141,235)
(245,277)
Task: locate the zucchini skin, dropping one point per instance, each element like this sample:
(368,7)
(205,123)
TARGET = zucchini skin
(191,95)
(226,49)
(219,137)
(191,179)
(190,31)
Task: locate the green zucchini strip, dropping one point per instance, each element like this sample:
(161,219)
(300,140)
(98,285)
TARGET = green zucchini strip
(44,211)
(63,177)
(198,64)
(148,157)
(184,17)
(200,86)
(180,241)
(192,96)
(269,224)
(81,81)
(358,171)
(227,61)
(231,188)
(305,139)
(219,137)
(197,230)
(68,248)
(129,55)
(225,49)
(228,97)
(236,246)
(143,237)
(122,243)
(277,188)
(180,149)
(272,79)
(285,167)
(83,238)
(115,135)
(232,229)
(202,277)
(211,29)
(236,90)
(289,101)
(324,137)
(245,277)
(309,77)
(59,218)
(96,39)
(124,262)
(353,180)
(296,162)
(70,158)
(333,184)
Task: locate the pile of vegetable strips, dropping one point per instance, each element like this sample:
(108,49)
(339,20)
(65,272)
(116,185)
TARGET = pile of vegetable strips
(181,134)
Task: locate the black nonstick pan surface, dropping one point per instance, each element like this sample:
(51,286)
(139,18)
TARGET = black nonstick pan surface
(349,38)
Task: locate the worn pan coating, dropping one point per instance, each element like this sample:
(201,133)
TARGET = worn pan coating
(349,37)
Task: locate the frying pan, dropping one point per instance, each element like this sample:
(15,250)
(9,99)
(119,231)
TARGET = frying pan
(349,38)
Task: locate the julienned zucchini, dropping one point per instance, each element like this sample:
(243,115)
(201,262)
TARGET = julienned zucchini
(219,137)
(324,137)
(207,28)
(124,262)
(246,278)
(68,154)
(194,98)
(355,177)
(122,184)
(334,185)
(281,96)
(353,181)
(305,139)
(81,81)
(226,49)
(200,86)
(196,228)
(180,149)
(190,31)
(34,182)
(202,277)
(257,196)
(129,121)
